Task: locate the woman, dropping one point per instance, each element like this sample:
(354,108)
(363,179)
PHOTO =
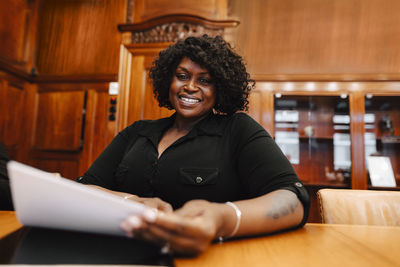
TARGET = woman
(191,165)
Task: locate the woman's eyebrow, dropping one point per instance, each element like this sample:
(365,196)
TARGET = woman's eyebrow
(184,69)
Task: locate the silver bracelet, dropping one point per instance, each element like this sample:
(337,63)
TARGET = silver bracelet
(238,217)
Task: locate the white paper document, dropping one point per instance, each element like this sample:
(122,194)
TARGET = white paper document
(380,171)
(45,200)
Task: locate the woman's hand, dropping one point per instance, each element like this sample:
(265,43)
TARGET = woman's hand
(152,202)
(191,229)
(187,231)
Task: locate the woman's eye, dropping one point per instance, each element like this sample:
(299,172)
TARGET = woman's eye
(204,81)
(182,76)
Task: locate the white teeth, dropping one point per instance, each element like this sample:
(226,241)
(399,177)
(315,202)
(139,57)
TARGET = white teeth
(190,100)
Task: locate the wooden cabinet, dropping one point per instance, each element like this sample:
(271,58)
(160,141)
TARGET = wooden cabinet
(327,129)
(382,131)
(55,126)
(314,133)
(70,126)
(60,117)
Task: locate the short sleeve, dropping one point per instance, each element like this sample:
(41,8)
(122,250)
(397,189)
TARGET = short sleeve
(262,166)
(102,171)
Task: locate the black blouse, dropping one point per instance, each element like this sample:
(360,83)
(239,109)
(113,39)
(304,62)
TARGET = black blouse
(223,158)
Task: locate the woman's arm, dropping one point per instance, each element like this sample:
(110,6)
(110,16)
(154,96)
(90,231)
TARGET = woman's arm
(278,210)
(154,202)
(191,229)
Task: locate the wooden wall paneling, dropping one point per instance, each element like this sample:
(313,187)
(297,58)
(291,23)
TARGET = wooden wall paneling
(99,131)
(66,168)
(3,106)
(136,99)
(151,109)
(147,9)
(14,12)
(13,104)
(103,129)
(18,28)
(255,106)
(28,118)
(18,22)
(124,80)
(16,115)
(261,108)
(31,39)
(282,39)
(357,111)
(80,37)
(268,116)
(90,132)
(136,89)
(59,121)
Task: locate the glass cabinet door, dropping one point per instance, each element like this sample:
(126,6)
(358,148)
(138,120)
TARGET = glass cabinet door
(314,133)
(382,140)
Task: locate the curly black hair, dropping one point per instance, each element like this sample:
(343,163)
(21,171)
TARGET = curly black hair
(226,68)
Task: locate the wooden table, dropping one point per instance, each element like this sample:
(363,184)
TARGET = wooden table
(8,223)
(314,245)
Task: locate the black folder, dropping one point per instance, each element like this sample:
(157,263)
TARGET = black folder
(32,245)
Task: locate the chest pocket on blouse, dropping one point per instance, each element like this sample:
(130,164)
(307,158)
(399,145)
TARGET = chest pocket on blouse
(199,176)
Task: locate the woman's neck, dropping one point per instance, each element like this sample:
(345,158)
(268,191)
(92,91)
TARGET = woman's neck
(185,125)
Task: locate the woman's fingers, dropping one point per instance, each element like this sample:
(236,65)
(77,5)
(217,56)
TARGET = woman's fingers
(178,225)
(166,207)
(182,234)
(197,228)
(156,203)
(177,243)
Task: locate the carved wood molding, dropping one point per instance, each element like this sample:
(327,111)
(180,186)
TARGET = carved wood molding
(171,28)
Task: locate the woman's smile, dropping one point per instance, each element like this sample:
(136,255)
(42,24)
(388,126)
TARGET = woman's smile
(189,100)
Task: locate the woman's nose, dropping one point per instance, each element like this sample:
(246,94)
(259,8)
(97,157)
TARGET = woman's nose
(191,86)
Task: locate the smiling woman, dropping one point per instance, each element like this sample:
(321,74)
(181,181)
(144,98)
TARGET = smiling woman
(209,171)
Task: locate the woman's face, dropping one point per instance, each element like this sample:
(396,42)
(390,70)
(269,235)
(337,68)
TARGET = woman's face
(192,91)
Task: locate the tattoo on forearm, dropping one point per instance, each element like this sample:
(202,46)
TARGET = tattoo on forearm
(282,204)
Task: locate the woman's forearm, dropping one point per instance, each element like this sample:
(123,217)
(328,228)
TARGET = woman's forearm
(278,210)
(156,203)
